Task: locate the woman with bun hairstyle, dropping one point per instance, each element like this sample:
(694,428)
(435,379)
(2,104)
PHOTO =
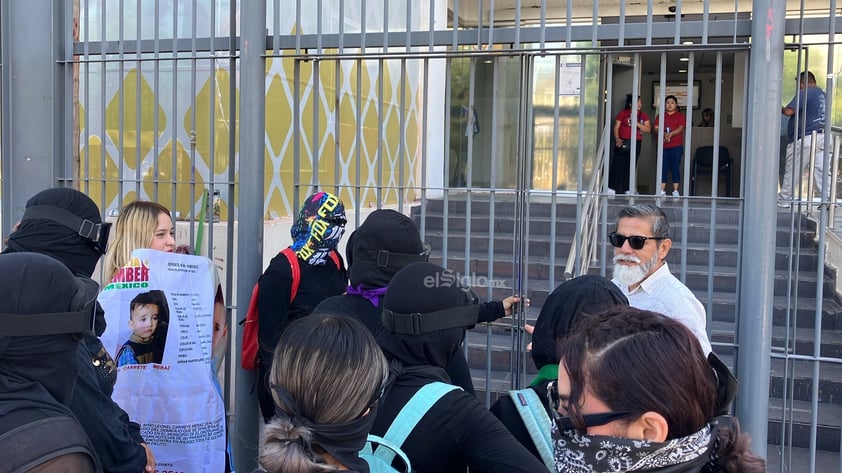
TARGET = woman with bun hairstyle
(327,377)
(623,408)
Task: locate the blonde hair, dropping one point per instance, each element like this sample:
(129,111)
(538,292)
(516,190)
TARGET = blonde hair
(134,229)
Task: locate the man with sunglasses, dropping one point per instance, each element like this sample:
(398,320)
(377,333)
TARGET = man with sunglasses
(641,243)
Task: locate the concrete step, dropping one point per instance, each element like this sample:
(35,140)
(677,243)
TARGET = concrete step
(505,225)
(481,245)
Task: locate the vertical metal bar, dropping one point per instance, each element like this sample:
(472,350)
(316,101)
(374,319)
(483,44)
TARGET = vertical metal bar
(633,148)
(517,24)
(568,39)
(408,26)
(492,208)
(316,138)
(490,24)
(455,30)
(621,39)
(156,83)
(337,127)
(425,99)
(758,244)
(401,151)
(659,177)
(250,215)
(431,28)
(714,186)
(582,244)
(554,181)
(230,356)
(358,149)
(276,27)
(296,136)
(381,131)
(543,25)
(215,98)
(649,23)
(298,42)
(341,34)
(677,36)
(138,77)
(103,130)
(86,27)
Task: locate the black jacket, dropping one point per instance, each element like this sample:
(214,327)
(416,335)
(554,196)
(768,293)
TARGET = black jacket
(316,283)
(457,432)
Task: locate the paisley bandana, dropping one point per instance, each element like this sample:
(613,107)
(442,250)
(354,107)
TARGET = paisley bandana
(579,453)
(318,228)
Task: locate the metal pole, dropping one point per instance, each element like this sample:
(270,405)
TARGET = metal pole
(33,81)
(756,290)
(250,217)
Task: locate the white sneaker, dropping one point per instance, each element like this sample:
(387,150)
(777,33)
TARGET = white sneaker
(629,193)
(676,194)
(662,193)
(610,191)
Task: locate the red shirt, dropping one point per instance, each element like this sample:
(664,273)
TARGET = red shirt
(624,117)
(672,122)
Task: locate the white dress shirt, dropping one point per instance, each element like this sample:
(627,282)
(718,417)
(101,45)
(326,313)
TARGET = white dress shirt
(663,293)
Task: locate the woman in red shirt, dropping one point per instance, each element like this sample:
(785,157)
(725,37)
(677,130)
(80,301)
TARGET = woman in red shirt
(674,124)
(618,174)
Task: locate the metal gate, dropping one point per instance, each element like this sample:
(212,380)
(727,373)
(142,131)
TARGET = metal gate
(490,124)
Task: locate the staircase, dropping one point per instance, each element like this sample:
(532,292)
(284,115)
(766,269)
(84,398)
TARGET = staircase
(490,352)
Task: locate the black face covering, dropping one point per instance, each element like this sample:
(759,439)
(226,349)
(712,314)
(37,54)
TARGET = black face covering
(342,441)
(582,295)
(38,371)
(58,234)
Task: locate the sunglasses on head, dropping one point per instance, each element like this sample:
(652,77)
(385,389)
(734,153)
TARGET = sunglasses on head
(636,242)
(565,423)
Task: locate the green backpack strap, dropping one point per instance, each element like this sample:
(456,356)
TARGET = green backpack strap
(411,414)
(537,422)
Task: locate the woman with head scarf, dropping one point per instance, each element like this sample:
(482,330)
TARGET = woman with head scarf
(635,392)
(43,311)
(65,224)
(321,273)
(581,296)
(425,314)
(323,420)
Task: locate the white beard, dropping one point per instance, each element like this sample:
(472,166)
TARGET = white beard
(630,275)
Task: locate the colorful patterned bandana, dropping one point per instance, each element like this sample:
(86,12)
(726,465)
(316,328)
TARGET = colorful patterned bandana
(318,228)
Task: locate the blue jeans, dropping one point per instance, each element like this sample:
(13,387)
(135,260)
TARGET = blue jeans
(672,163)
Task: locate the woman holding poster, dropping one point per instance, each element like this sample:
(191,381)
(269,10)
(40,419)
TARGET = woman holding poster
(145,224)
(173,392)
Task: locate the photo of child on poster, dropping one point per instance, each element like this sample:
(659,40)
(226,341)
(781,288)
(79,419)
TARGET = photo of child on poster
(148,321)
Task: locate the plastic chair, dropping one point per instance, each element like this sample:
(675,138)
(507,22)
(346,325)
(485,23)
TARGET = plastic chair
(703,166)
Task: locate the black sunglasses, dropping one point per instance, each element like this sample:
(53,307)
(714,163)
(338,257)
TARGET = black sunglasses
(565,423)
(636,242)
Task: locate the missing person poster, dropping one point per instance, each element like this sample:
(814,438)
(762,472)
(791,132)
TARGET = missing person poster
(159,310)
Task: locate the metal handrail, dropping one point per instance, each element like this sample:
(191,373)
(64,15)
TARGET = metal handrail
(590,219)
